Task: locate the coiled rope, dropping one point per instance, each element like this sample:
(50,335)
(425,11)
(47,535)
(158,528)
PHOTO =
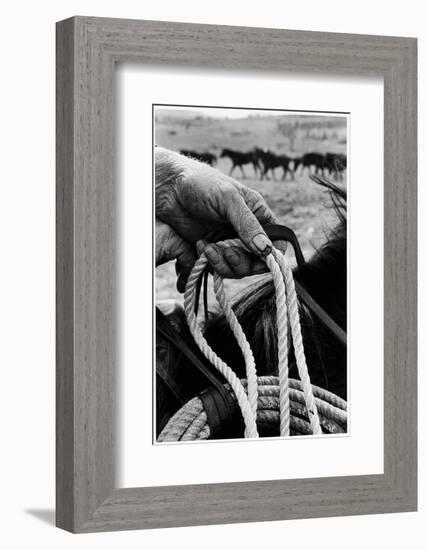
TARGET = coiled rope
(287,311)
(190,422)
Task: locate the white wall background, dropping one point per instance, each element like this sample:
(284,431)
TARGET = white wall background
(27,271)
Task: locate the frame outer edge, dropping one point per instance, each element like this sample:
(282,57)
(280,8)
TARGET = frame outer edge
(86,498)
(94,273)
(401,264)
(65,274)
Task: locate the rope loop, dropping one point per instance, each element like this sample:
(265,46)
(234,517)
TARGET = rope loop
(287,311)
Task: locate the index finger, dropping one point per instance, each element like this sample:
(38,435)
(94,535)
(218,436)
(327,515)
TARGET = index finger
(258,206)
(246,224)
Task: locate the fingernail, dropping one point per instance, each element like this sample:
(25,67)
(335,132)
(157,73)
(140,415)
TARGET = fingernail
(232,257)
(212,254)
(263,244)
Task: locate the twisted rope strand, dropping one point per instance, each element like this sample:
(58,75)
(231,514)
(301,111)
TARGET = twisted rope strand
(287,312)
(282,331)
(221,366)
(190,422)
(250,364)
(299,351)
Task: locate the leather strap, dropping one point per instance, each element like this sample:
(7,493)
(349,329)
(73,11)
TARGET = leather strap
(283,233)
(322,315)
(223,415)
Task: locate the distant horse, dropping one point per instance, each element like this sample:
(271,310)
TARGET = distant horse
(324,276)
(335,163)
(286,166)
(296,161)
(270,161)
(207,158)
(240,159)
(315,161)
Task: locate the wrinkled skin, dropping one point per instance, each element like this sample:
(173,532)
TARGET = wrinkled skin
(193,201)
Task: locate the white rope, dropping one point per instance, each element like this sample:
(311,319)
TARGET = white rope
(282,339)
(296,334)
(250,364)
(190,422)
(189,308)
(287,312)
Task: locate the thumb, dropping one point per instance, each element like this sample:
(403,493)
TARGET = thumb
(247,225)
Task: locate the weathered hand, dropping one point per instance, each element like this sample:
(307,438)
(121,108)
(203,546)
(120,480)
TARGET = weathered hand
(170,246)
(197,200)
(234,262)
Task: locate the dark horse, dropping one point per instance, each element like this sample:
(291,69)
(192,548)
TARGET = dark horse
(270,161)
(324,277)
(297,161)
(240,159)
(315,161)
(335,163)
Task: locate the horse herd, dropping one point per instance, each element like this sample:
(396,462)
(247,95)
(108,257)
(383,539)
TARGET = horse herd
(264,162)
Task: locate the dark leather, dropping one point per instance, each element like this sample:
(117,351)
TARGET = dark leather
(195,377)
(277,232)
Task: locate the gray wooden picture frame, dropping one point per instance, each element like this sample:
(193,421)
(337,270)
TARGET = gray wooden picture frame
(87,51)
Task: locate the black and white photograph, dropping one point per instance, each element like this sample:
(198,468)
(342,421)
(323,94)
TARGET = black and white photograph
(251,271)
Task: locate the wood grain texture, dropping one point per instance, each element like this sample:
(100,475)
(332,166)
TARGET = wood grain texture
(87,49)
(64,278)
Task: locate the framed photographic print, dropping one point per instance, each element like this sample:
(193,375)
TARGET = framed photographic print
(236,274)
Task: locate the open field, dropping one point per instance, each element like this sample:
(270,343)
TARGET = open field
(299,203)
